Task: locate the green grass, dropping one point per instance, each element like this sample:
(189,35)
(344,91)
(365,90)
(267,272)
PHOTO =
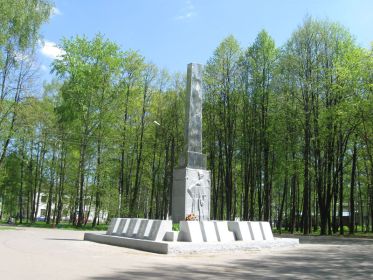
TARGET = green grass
(358,234)
(63,226)
(176,227)
(7,228)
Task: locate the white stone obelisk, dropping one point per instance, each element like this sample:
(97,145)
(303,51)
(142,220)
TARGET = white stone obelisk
(191,181)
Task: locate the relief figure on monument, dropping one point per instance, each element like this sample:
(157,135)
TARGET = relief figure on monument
(199,193)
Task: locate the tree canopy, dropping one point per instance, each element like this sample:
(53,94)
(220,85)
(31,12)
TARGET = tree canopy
(287,130)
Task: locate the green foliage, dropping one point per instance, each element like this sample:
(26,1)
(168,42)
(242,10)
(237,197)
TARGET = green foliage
(7,228)
(176,227)
(64,226)
(279,126)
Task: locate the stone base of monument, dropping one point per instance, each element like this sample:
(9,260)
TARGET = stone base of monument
(205,236)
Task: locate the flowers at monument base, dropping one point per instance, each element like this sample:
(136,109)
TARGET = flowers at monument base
(191,217)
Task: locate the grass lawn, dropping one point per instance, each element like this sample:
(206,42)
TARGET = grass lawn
(358,234)
(68,226)
(88,227)
(103,227)
(7,228)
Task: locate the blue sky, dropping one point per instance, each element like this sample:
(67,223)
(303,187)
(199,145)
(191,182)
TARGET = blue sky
(172,33)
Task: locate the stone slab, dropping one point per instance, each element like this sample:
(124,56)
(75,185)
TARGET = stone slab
(113,226)
(266,230)
(123,226)
(136,228)
(139,244)
(208,231)
(256,231)
(210,247)
(140,234)
(126,226)
(133,226)
(140,228)
(171,236)
(222,231)
(118,229)
(241,230)
(159,229)
(148,229)
(190,231)
(162,247)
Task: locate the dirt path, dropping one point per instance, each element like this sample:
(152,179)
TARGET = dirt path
(30,253)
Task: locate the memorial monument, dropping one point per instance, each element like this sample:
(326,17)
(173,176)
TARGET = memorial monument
(191,180)
(190,195)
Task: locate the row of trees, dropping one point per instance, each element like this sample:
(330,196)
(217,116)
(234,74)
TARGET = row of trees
(288,131)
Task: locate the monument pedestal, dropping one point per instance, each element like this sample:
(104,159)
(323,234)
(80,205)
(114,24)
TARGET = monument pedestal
(195,236)
(190,194)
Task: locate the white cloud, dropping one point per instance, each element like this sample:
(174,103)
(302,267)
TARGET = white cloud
(188,12)
(190,5)
(185,16)
(56,11)
(51,50)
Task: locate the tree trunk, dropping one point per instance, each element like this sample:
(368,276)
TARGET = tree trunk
(306,156)
(284,193)
(352,190)
(98,185)
(50,193)
(139,156)
(83,147)
(20,200)
(341,173)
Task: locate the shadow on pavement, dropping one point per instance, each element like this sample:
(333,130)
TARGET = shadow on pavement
(64,239)
(351,260)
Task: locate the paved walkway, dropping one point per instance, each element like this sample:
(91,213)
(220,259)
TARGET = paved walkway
(30,253)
